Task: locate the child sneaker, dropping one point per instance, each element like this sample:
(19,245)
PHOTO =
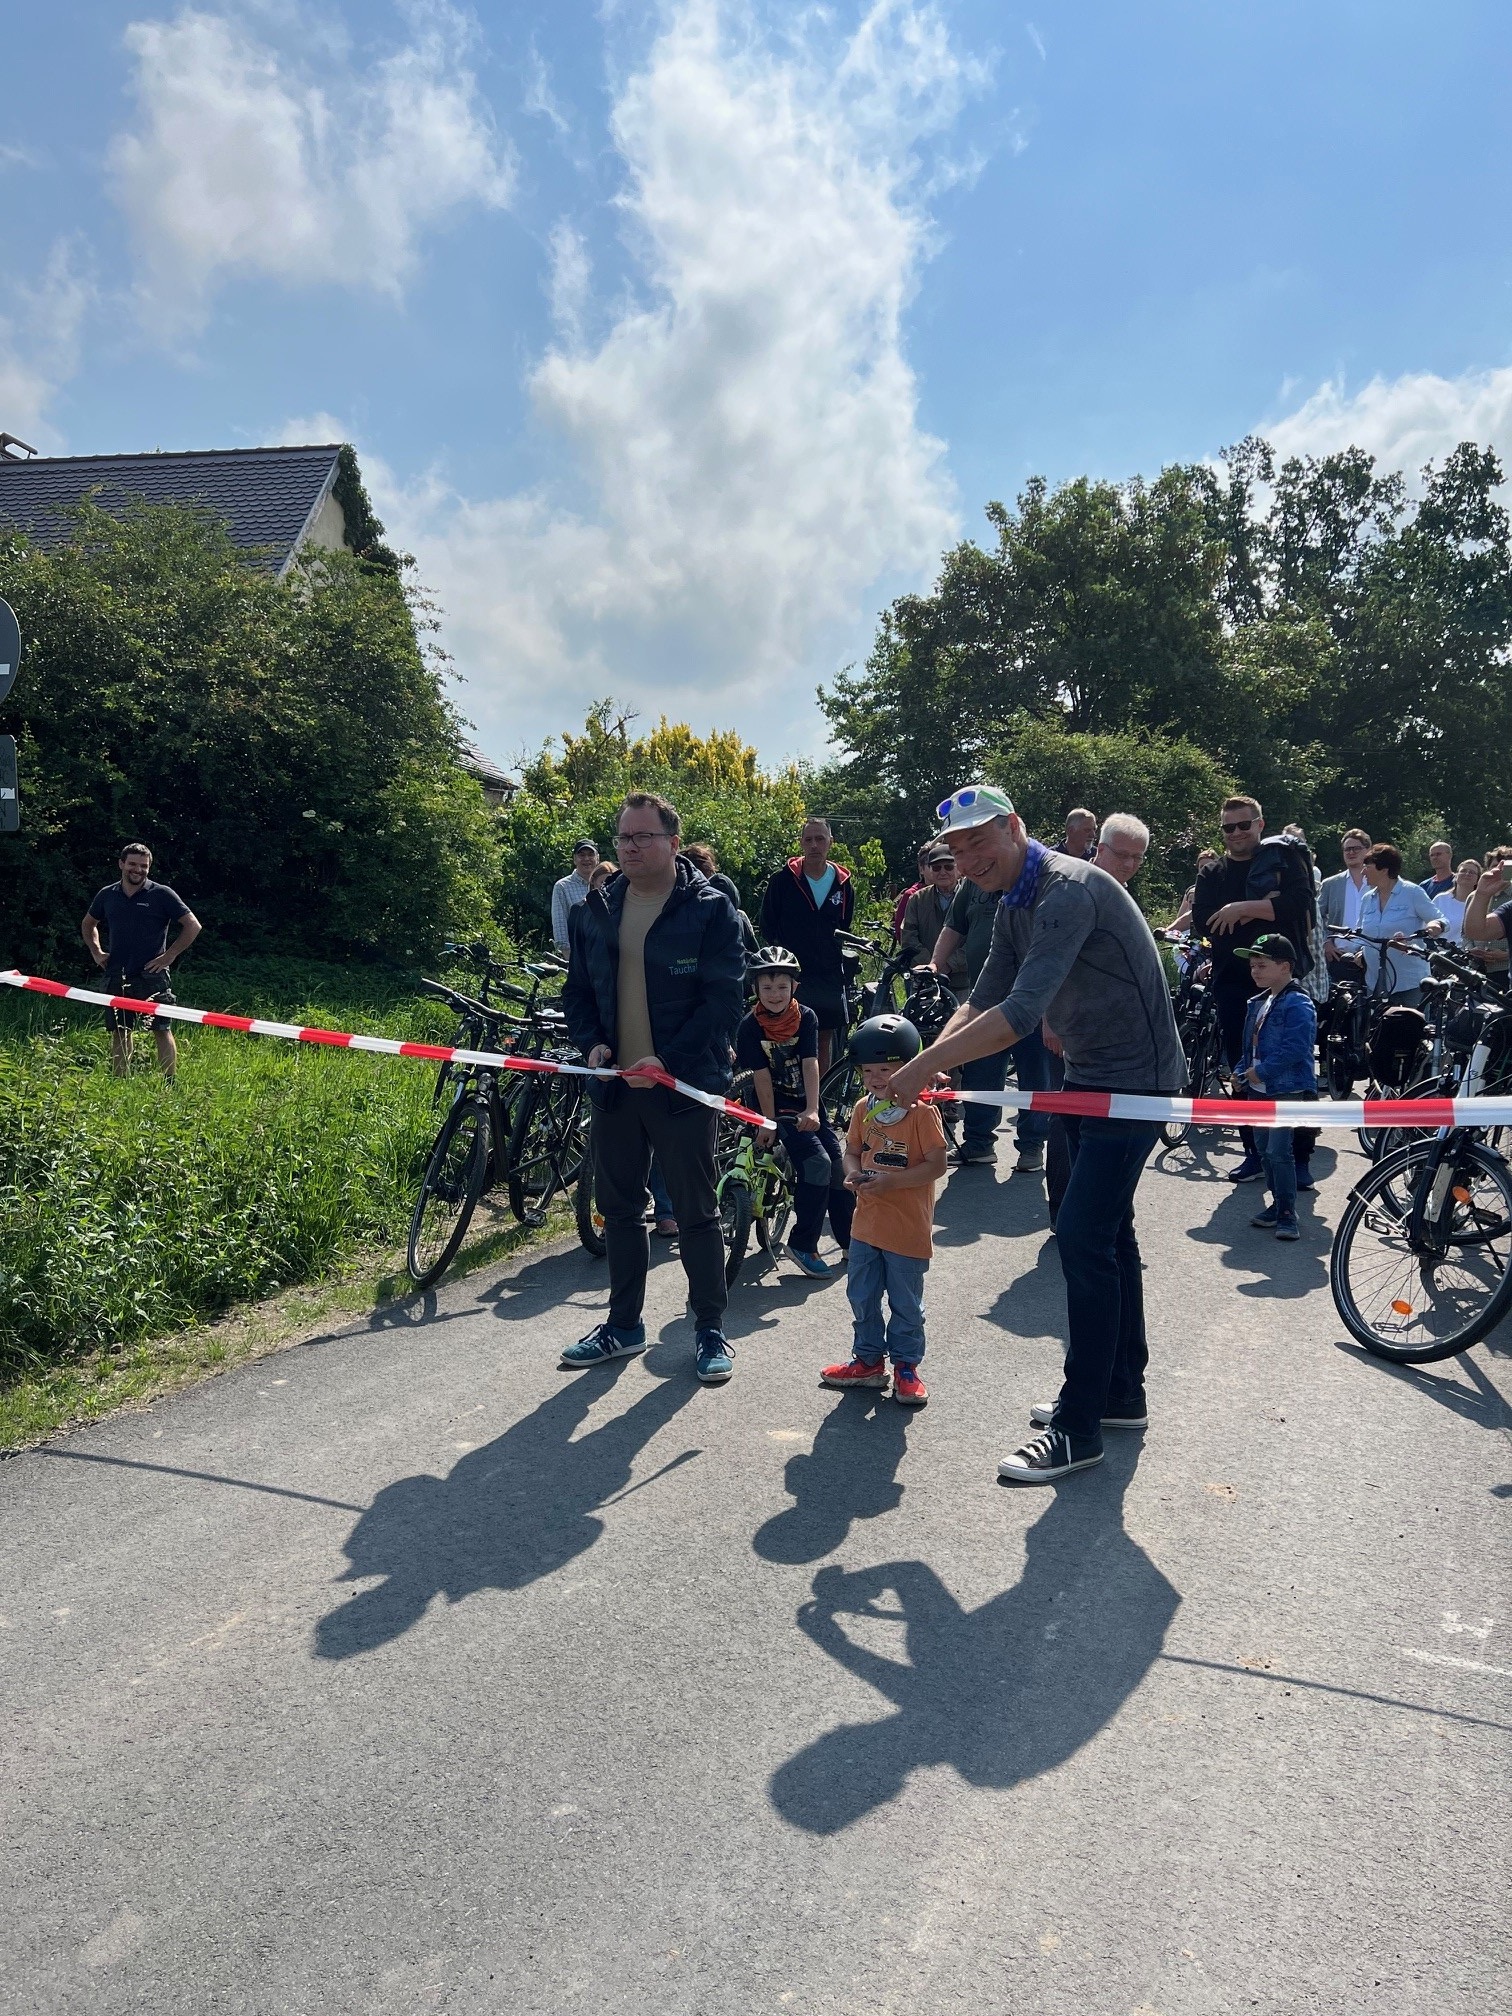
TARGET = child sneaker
(909,1389)
(1287,1228)
(1265,1219)
(1250,1170)
(859,1372)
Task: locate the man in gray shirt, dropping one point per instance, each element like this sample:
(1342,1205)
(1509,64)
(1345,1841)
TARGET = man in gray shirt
(1069,943)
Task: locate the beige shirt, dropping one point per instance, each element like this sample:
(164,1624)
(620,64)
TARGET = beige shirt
(634,1033)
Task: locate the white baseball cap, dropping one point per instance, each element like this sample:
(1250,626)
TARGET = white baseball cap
(972,805)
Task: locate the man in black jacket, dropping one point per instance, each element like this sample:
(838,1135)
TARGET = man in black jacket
(655,982)
(805,904)
(1254,888)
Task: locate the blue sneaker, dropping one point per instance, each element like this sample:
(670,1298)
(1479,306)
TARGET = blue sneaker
(602,1343)
(811,1264)
(1286,1226)
(1250,1170)
(716,1361)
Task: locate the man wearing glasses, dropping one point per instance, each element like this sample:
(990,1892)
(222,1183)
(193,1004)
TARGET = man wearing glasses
(1069,943)
(656,983)
(1341,895)
(1232,908)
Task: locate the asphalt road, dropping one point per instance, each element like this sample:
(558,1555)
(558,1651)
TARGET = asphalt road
(402,1672)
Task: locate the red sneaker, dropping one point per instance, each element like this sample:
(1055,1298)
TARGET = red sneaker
(856,1373)
(908,1388)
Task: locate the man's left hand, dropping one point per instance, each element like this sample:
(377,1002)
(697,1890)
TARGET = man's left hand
(638,1073)
(159,965)
(1227,918)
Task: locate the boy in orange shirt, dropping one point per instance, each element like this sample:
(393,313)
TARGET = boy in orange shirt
(894,1156)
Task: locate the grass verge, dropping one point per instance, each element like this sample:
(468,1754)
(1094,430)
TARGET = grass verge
(91,1384)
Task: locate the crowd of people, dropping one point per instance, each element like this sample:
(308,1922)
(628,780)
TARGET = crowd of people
(1057,974)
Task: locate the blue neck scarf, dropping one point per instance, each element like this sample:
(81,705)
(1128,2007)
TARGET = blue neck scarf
(1024,891)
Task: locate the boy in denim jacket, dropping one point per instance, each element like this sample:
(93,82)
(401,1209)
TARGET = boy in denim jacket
(1279,1061)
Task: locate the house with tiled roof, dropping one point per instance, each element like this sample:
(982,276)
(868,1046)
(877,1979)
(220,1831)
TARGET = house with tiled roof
(275,501)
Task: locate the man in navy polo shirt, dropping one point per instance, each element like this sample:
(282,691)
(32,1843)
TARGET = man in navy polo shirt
(137,914)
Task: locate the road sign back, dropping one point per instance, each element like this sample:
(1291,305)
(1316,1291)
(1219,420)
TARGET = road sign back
(10,648)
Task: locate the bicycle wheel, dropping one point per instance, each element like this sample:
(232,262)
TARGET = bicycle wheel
(776,1213)
(449,1191)
(735,1224)
(1411,1289)
(1382,1143)
(536,1145)
(1203,1082)
(590,1220)
(840,1088)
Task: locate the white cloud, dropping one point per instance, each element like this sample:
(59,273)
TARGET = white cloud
(241,161)
(39,345)
(747,432)
(1404,422)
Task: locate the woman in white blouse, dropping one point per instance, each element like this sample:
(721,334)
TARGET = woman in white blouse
(1391,911)
(1451,905)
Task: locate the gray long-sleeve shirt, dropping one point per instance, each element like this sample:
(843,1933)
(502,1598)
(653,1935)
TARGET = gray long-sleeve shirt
(1082,955)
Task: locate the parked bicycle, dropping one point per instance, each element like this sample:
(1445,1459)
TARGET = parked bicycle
(1421,1265)
(1195,1007)
(458,1166)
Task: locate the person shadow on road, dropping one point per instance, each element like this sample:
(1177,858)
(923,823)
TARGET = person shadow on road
(1003,1692)
(509,1513)
(848,1475)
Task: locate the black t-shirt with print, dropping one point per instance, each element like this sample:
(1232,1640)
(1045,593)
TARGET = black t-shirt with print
(755,1052)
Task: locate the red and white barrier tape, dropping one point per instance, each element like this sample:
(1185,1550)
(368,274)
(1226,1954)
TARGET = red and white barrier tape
(1262,1113)
(337,1039)
(1348,1113)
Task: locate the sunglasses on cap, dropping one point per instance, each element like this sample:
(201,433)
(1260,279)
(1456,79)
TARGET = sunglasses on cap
(990,803)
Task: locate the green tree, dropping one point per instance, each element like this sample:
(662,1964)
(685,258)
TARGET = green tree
(573,791)
(284,746)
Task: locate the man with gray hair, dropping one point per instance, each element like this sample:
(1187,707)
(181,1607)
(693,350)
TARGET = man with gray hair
(1081,833)
(1070,947)
(1122,846)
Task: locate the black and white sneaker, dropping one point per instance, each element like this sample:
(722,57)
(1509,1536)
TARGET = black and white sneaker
(1047,1458)
(1042,1413)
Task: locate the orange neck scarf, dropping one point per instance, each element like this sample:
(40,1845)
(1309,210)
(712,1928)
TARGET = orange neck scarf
(779,1028)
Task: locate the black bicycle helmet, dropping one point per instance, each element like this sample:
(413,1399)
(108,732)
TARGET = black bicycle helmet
(775,959)
(885,1039)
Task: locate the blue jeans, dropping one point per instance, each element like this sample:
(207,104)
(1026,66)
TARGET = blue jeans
(819,1164)
(1031,1067)
(1280,1169)
(982,1074)
(661,1203)
(872,1271)
(1106,1352)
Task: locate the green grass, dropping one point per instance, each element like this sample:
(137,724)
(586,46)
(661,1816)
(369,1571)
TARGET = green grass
(131,1210)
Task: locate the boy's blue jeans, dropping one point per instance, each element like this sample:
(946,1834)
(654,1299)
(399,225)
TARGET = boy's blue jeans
(819,1164)
(902,1278)
(1278,1154)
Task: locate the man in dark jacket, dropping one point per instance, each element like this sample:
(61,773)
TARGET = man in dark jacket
(805,904)
(1253,888)
(655,982)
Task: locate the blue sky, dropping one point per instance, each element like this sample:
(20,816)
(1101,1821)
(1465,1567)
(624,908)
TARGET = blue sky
(677,338)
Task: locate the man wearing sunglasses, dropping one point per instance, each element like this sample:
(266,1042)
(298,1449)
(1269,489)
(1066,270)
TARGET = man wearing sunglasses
(1237,899)
(1069,943)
